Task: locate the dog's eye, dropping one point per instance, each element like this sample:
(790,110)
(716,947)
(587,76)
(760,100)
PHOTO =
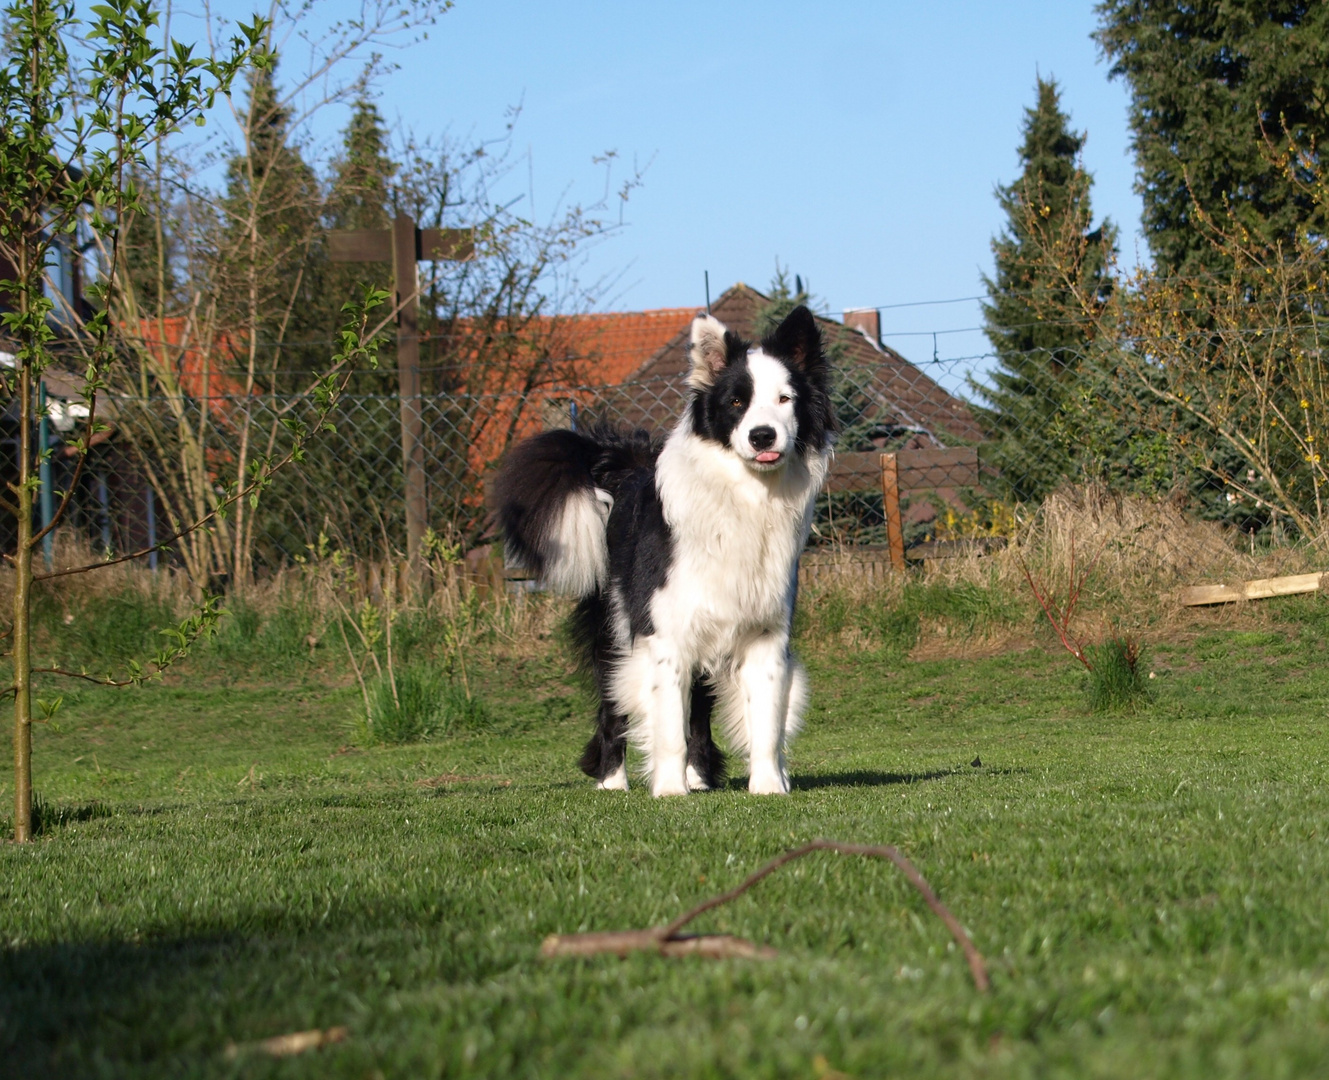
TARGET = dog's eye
(737,403)
(784,399)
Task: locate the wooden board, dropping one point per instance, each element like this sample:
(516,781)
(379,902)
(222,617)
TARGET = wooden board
(448,245)
(360,245)
(916,469)
(1259,589)
(375,245)
(952,468)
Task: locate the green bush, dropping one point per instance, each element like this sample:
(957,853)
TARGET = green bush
(894,622)
(276,640)
(426,705)
(965,602)
(106,631)
(1117,680)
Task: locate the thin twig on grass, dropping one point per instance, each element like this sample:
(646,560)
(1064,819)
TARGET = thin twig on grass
(297,1042)
(666,941)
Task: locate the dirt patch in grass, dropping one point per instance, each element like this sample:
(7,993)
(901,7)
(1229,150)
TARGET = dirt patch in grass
(944,642)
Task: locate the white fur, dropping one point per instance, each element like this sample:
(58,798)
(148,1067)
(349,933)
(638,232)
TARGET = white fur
(707,351)
(578,553)
(725,607)
(616,780)
(770,383)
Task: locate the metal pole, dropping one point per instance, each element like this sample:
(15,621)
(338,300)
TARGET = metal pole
(152,528)
(104,500)
(44,475)
(405,251)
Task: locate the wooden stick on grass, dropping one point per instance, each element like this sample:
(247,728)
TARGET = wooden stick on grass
(666,940)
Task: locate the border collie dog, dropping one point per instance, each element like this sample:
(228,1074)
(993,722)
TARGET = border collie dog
(684,555)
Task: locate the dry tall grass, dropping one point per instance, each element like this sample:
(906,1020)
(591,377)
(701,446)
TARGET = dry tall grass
(1142,551)
(511,624)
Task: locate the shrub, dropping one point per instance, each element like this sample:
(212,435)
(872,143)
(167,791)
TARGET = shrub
(110,630)
(275,639)
(425,704)
(1116,680)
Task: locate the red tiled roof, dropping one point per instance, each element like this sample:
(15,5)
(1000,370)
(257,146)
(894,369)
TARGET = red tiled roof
(204,370)
(616,344)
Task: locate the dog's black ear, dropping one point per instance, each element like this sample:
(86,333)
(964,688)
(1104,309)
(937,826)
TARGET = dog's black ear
(797,340)
(710,350)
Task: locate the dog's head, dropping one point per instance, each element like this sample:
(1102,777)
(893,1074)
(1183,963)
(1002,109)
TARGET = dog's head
(764,402)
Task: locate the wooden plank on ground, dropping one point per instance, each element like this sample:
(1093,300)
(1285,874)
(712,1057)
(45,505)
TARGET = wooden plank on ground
(1259,589)
(955,467)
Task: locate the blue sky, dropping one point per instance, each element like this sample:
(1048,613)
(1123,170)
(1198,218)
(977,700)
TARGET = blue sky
(857,142)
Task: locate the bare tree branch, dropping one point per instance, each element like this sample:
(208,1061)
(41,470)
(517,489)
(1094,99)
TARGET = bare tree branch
(666,940)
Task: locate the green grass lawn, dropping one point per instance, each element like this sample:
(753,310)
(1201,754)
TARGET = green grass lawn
(219,865)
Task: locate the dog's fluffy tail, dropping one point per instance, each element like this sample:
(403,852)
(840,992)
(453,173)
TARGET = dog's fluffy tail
(552,512)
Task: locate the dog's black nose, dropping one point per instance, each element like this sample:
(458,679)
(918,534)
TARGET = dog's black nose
(762,438)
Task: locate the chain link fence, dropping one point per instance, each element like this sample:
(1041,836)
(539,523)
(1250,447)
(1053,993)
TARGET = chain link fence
(170,456)
(959,469)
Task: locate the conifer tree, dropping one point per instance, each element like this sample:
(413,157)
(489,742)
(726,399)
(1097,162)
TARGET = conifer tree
(268,269)
(1218,89)
(358,198)
(361,174)
(1038,328)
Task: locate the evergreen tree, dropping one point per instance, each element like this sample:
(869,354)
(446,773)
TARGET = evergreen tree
(269,269)
(361,174)
(1038,329)
(1212,83)
(358,198)
(147,250)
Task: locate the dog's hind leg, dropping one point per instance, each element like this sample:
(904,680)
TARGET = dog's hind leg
(605,756)
(706,762)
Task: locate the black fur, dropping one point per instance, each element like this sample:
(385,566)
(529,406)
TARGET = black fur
(719,408)
(703,755)
(537,478)
(797,342)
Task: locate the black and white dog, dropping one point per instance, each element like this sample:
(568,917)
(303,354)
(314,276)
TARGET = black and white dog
(685,557)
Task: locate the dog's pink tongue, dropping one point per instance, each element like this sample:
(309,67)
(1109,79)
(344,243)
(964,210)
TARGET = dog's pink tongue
(767,456)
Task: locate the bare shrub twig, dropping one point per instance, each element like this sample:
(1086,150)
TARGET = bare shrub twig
(666,940)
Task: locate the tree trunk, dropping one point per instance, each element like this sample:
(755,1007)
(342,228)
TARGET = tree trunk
(22,619)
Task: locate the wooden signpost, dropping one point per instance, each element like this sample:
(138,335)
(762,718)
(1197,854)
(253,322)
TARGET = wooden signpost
(404,245)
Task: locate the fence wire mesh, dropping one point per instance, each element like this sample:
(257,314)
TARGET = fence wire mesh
(967,453)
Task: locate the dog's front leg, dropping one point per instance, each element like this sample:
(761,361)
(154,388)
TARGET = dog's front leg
(763,679)
(666,720)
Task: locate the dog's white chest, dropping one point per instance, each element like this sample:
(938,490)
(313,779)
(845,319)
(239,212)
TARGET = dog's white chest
(735,542)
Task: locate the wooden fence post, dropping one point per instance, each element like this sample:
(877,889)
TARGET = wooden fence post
(404,245)
(406,282)
(890,501)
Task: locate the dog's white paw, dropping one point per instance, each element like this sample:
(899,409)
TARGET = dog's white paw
(669,780)
(695,782)
(768,782)
(616,780)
